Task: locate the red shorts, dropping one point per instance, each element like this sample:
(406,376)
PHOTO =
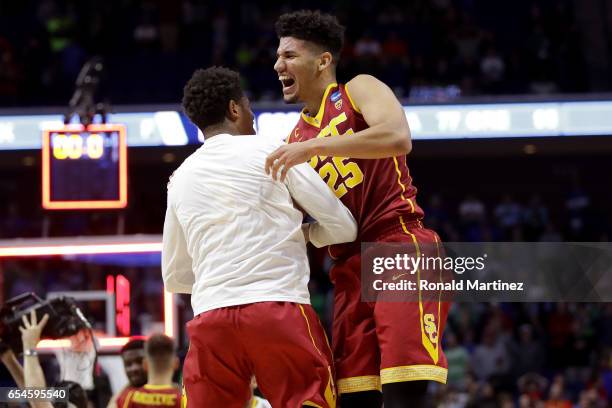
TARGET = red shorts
(386,342)
(282,344)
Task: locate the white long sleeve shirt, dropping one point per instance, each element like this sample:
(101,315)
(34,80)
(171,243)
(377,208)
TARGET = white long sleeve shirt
(232,235)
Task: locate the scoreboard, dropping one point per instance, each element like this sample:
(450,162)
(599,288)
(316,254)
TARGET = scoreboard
(84,167)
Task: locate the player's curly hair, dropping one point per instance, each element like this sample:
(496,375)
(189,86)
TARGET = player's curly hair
(207,94)
(318,28)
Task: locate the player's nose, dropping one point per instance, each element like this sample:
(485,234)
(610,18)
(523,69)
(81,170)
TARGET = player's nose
(279,65)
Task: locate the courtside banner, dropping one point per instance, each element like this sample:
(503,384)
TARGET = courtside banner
(487,272)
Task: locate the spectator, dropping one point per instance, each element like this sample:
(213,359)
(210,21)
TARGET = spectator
(508,215)
(493,68)
(556,395)
(472,217)
(535,218)
(395,47)
(471,210)
(528,353)
(458,362)
(491,356)
(531,387)
(367,47)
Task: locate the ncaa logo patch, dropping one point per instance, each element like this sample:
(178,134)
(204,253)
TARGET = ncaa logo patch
(338,104)
(335,96)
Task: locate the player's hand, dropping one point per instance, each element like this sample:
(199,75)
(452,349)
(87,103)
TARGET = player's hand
(287,156)
(31,330)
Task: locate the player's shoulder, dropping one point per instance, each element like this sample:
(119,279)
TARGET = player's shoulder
(260,144)
(362,81)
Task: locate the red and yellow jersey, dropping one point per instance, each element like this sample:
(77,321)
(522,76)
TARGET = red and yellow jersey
(149,396)
(378,192)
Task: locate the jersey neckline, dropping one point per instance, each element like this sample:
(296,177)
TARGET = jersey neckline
(316,120)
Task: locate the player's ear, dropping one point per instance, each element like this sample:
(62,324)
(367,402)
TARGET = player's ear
(145,364)
(177,363)
(233,110)
(325,60)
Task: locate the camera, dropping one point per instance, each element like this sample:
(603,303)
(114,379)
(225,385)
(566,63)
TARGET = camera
(65,318)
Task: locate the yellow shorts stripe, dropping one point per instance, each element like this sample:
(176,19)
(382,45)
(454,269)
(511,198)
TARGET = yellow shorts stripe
(309,331)
(413,373)
(358,384)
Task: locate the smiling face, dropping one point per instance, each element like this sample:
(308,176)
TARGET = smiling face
(134,368)
(297,68)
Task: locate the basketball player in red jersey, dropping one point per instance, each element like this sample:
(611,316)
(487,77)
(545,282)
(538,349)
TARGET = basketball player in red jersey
(160,362)
(357,137)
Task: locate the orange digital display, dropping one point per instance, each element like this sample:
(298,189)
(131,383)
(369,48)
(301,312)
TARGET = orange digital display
(84,167)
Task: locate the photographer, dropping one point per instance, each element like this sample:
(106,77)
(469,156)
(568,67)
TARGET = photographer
(31,375)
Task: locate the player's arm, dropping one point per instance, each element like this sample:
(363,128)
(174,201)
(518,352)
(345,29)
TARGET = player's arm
(177,270)
(34,376)
(388,133)
(12,365)
(334,222)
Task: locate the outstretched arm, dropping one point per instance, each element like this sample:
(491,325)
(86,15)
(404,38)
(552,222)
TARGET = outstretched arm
(13,366)
(388,133)
(33,373)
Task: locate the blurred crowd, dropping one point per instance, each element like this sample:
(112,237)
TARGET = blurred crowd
(530,355)
(424,49)
(470,217)
(549,355)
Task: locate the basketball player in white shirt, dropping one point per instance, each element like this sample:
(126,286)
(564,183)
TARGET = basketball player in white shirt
(235,241)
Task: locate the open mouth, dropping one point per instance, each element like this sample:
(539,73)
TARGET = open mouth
(288,83)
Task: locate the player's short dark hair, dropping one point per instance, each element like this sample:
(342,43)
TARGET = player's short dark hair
(160,351)
(208,93)
(318,28)
(133,344)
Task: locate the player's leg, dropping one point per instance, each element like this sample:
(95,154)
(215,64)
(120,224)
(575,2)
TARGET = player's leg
(405,394)
(410,333)
(291,357)
(363,399)
(355,342)
(216,372)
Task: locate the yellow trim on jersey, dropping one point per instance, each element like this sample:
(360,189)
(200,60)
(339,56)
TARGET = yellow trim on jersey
(310,404)
(157,387)
(183,397)
(309,331)
(316,120)
(399,180)
(413,373)
(440,293)
(351,99)
(358,384)
(128,399)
